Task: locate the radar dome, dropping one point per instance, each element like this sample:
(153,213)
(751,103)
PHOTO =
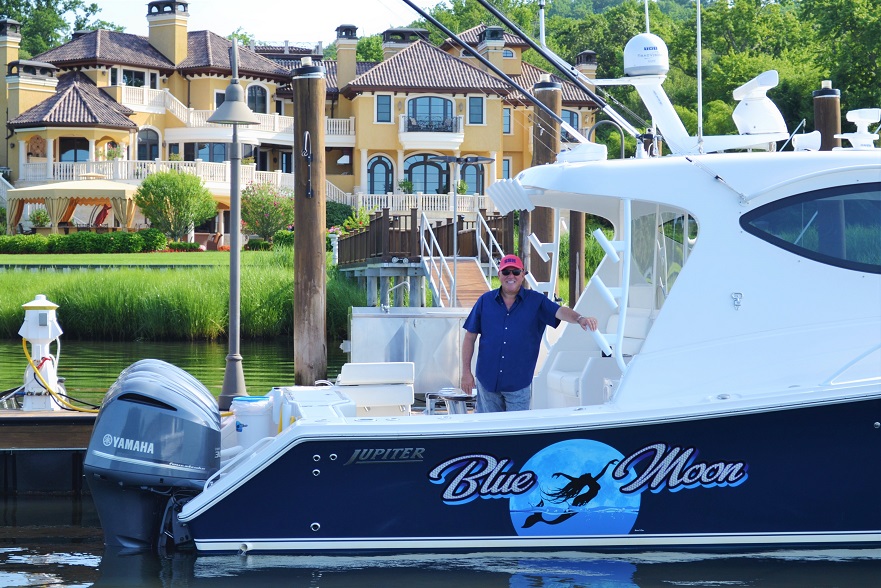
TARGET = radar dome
(645,55)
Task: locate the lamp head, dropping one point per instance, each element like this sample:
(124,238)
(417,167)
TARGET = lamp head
(234,110)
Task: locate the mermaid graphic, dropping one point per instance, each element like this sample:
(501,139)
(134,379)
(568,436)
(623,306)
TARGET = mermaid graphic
(579,490)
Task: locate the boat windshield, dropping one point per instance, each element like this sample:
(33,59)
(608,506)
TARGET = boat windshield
(663,238)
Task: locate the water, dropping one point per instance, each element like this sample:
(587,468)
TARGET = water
(89,367)
(57,541)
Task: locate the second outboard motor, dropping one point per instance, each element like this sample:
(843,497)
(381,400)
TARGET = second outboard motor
(156,440)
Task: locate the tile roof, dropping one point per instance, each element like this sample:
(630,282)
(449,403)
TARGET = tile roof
(361,68)
(77,102)
(572,96)
(422,67)
(106,48)
(208,52)
(472,37)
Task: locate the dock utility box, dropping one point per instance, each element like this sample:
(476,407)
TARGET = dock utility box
(380,388)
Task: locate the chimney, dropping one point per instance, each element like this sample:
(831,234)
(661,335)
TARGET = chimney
(346,46)
(10,42)
(167,22)
(586,64)
(490,44)
(395,40)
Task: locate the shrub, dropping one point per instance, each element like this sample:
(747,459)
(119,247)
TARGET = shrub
(267,209)
(258,245)
(24,244)
(173,201)
(3,218)
(336,213)
(359,219)
(183,246)
(283,238)
(81,242)
(39,217)
(154,239)
(123,242)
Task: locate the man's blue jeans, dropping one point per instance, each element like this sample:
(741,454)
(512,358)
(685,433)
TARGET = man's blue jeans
(502,401)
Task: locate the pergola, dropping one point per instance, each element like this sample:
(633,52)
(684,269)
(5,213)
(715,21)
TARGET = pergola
(60,200)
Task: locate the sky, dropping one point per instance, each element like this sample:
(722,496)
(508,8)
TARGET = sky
(275,21)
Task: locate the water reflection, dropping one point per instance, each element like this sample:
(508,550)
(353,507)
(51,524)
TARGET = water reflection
(52,541)
(90,367)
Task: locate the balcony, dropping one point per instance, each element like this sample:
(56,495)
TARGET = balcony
(430,132)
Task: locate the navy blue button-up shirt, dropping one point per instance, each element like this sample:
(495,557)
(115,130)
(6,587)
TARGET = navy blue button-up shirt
(509,339)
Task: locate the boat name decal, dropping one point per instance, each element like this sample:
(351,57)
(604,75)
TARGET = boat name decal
(398,454)
(675,468)
(480,475)
(129,444)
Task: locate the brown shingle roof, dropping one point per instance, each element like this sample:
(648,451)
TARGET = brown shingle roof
(422,67)
(208,52)
(106,48)
(472,35)
(77,103)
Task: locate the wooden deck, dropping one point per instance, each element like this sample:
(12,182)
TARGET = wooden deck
(471,283)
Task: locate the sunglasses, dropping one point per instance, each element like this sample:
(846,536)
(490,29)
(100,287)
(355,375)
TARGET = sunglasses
(508,272)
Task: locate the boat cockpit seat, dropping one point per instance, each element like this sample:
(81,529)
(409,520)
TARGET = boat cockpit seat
(637,323)
(379,389)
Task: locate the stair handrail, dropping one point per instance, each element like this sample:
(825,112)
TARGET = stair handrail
(430,262)
(492,267)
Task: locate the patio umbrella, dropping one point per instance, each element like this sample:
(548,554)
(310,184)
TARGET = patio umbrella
(60,198)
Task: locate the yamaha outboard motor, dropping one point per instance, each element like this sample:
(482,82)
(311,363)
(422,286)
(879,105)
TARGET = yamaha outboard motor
(156,441)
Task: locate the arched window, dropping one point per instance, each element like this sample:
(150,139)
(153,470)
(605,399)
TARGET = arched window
(472,174)
(379,175)
(148,145)
(507,53)
(430,177)
(257,99)
(430,113)
(73,149)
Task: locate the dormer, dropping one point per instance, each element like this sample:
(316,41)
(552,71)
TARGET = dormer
(167,22)
(394,40)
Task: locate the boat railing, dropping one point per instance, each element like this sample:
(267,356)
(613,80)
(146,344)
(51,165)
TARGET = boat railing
(237,460)
(488,247)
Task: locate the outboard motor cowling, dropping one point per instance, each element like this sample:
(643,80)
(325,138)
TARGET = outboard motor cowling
(156,437)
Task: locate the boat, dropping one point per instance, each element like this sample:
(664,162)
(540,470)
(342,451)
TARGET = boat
(730,400)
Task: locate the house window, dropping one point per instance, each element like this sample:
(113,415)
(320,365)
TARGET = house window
(430,113)
(838,226)
(279,107)
(383,109)
(73,149)
(114,76)
(429,177)
(219,98)
(506,168)
(507,53)
(475,110)
(379,175)
(506,121)
(148,145)
(154,80)
(137,79)
(472,175)
(257,99)
(212,152)
(571,117)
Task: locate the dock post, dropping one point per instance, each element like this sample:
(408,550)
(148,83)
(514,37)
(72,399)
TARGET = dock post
(310,286)
(545,147)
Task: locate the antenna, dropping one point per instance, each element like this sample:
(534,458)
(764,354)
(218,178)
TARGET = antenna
(647,25)
(700,85)
(541,22)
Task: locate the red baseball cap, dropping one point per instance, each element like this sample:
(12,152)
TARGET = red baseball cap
(510,261)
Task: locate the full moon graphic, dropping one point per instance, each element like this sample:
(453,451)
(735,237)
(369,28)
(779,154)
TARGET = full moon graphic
(575,493)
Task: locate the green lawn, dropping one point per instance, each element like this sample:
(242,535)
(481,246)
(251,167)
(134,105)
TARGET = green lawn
(120,259)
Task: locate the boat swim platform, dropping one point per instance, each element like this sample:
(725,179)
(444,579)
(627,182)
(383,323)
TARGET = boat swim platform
(42,452)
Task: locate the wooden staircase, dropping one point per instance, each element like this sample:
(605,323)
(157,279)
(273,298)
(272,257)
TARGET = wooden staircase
(471,282)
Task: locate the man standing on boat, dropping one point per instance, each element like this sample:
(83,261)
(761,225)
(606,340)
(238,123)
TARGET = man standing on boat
(510,322)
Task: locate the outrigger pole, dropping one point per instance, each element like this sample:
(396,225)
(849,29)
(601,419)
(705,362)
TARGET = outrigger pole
(569,129)
(561,65)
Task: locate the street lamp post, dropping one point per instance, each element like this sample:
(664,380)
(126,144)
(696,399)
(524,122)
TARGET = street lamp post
(234,111)
(459,161)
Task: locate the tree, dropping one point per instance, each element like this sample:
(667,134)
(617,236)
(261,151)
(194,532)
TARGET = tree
(48,23)
(267,209)
(174,201)
(243,37)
